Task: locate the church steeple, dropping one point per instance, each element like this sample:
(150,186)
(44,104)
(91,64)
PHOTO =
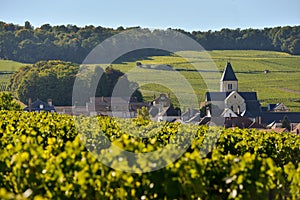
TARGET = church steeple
(228,81)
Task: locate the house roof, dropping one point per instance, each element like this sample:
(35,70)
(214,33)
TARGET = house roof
(39,105)
(253,109)
(241,122)
(228,74)
(228,113)
(269,117)
(221,96)
(296,128)
(112,100)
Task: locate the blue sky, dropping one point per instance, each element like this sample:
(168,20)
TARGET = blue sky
(185,14)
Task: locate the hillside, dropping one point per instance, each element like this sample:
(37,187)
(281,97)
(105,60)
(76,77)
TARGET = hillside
(73,43)
(6,68)
(9,65)
(282,84)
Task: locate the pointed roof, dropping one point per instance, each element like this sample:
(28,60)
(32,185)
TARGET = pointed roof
(228,74)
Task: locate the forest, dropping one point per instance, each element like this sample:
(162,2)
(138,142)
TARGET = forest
(30,44)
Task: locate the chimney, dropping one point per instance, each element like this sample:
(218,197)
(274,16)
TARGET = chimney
(259,120)
(208,114)
(29,104)
(50,102)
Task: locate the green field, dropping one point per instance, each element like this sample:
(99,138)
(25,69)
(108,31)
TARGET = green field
(7,66)
(282,84)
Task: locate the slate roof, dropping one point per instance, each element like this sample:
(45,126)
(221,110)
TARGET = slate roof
(228,74)
(269,117)
(221,96)
(253,109)
(241,122)
(35,106)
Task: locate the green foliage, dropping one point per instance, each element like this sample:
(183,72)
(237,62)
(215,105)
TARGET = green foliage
(142,117)
(72,43)
(45,80)
(55,79)
(7,102)
(42,157)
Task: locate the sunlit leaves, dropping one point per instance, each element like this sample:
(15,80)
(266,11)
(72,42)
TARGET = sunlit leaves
(43,157)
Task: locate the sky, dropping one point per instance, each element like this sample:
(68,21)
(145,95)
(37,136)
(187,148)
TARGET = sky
(190,15)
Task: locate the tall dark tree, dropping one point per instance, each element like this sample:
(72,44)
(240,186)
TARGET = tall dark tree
(286,123)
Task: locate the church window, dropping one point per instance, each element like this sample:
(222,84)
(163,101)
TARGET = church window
(229,86)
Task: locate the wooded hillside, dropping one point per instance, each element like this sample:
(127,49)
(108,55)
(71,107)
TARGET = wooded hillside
(71,43)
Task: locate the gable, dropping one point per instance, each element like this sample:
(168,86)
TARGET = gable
(228,113)
(234,96)
(280,107)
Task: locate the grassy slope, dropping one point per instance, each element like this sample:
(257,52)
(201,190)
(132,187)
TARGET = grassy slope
(8,66)
(281,85)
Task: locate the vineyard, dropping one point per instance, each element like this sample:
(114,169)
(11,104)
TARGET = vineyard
(42,156)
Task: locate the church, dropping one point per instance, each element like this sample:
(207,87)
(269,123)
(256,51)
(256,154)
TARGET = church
(230,102)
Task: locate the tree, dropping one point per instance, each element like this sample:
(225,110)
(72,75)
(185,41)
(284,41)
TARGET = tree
(55,79)
(7,102)
(294,48)
(28,25)
(286,123)
(45,80)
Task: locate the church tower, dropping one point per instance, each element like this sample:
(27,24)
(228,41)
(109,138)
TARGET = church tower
(228,81)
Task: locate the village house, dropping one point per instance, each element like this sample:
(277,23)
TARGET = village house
(39,106)
(161,109)
(122,107)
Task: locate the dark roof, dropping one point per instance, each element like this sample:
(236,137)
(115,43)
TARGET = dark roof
(221,96)
(241,122)
(253,109)
(271,106)
(269,117)
(248,96)
(216,96)
(39,105)
(228,74)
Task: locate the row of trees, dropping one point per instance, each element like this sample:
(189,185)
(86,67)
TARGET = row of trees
(72,43)
(55,80)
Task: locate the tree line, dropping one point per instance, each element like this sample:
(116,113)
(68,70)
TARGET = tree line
(71,43)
